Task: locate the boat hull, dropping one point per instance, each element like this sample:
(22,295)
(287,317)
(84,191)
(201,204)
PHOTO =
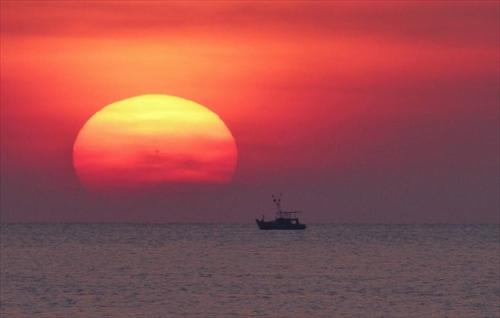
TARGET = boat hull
(274,225)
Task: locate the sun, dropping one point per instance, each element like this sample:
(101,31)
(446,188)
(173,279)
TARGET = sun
(150,140)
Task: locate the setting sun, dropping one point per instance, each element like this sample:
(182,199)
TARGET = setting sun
(151,140)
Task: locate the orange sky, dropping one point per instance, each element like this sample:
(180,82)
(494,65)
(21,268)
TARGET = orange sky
(328,101)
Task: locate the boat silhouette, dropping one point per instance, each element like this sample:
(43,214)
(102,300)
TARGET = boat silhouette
(285,220)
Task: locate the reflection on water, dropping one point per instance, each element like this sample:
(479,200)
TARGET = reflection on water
(124,270)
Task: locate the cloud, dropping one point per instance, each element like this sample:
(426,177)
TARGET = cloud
(448,22)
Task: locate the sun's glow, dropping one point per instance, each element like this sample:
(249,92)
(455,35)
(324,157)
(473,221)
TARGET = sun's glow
(151,140)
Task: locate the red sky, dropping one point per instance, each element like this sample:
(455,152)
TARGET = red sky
(355,111)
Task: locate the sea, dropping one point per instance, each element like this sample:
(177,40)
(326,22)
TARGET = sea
(237,270)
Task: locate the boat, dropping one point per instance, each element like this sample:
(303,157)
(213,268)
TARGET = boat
(285,220)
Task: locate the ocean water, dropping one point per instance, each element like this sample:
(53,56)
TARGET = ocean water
(180,270)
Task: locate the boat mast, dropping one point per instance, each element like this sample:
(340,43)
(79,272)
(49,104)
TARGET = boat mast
(277,201)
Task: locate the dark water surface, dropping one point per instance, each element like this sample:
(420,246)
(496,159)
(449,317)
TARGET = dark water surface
(125,270)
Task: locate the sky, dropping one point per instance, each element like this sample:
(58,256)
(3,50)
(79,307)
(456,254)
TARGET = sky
(364,112)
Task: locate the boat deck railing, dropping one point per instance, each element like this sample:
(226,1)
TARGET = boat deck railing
(288,214)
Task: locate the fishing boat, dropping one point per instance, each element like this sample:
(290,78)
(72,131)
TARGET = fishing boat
(284,220)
